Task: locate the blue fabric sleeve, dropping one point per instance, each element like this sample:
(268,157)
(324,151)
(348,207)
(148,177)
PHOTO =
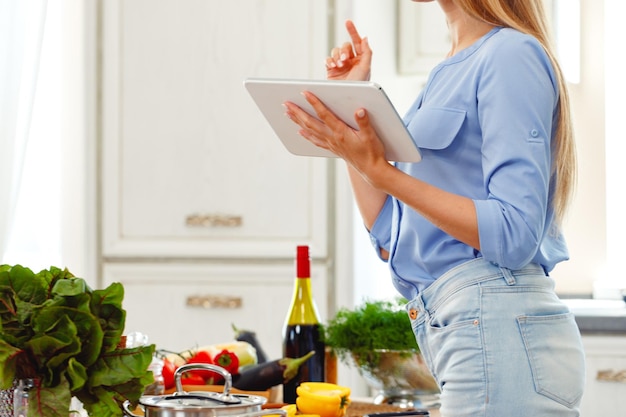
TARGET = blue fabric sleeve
(517,130)
(380,235)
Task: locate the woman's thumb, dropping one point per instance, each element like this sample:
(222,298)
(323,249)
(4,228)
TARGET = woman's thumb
(362,119)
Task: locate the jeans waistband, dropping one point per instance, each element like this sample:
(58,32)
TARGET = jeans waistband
(471,273)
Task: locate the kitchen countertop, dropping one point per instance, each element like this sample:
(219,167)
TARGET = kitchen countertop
(363,406)
(595,316)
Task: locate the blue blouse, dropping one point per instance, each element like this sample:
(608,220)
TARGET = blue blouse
(484,123)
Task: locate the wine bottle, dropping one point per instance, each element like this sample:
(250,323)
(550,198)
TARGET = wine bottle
(302,333)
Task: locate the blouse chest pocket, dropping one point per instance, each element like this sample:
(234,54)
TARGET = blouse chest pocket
(435,128)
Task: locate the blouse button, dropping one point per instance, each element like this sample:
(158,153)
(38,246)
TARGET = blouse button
(413,314)
(534,133)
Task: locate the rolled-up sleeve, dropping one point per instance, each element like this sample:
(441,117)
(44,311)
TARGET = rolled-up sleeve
(380,234)
(517,130)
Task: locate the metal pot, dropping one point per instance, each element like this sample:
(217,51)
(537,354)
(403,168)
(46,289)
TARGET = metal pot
(202,403)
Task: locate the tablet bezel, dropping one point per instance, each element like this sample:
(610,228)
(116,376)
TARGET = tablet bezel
(343,98)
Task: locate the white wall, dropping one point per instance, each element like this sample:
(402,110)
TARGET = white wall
(585,228)
(615,68)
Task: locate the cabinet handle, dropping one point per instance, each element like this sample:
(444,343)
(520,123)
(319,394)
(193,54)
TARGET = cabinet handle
(610,375)
(214,301)
(213,220)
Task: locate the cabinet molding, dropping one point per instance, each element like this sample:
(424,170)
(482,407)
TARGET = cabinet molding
(253,296)
(422,37)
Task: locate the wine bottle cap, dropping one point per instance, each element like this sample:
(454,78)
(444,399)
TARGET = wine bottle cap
(303,262)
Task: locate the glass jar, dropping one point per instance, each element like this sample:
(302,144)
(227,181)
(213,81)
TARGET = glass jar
(158,386)
(6,401)
(21,396)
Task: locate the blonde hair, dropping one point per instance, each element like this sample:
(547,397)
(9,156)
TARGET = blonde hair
(528,16)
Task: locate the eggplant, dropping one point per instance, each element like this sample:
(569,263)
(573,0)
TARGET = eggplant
(266,375)
(250,337)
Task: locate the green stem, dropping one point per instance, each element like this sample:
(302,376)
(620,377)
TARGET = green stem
(292,365)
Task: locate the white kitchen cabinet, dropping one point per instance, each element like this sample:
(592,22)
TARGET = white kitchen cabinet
(605,388)
(201,206)
(180,306)
(190,168)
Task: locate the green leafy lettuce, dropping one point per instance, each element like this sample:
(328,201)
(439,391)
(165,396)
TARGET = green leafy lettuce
(56,329)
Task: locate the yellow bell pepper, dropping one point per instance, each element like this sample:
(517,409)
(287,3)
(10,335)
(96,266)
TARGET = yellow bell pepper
(322,398)
(291,410)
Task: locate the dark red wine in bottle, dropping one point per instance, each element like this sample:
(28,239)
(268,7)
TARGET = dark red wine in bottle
(301,333)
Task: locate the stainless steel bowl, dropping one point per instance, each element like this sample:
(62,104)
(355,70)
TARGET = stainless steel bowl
(399,377)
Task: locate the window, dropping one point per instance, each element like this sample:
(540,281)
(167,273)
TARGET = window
(35,235)
(52,224)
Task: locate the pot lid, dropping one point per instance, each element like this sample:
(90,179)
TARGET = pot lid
(201,400)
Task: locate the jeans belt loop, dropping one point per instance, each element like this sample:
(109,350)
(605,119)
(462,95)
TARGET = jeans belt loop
(508,276)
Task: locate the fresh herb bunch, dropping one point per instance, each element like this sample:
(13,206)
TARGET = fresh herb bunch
(56,329)
(361,334)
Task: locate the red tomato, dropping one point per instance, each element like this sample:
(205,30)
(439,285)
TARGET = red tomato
(168,373)
(201,357)
(227,360)
(207,376)
(192,379)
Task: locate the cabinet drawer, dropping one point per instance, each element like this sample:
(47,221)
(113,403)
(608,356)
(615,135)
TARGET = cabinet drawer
(180,306)
(605,390)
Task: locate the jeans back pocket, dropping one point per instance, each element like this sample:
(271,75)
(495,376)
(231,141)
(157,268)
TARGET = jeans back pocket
(557,361)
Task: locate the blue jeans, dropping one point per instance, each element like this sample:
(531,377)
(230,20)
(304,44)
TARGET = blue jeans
(499,343)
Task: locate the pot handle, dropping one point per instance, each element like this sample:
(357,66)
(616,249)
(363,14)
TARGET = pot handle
(127,411)
(224,397)
(266,412)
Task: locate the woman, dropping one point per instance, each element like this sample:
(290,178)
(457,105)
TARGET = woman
(472,231)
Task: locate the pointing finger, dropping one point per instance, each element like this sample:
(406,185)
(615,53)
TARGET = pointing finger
(354,36)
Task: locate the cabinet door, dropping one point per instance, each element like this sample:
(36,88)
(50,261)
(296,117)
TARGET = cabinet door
(605,389)
(190,167)
(180,306)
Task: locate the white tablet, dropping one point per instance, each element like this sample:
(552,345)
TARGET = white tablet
(343,98)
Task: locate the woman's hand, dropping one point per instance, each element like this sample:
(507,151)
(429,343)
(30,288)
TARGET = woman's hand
(361,148)
(352,60)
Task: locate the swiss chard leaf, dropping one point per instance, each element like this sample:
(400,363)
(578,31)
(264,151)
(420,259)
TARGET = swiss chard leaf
(54,327)
(105,406)
(28,286)
(117,367)
(107,305)
(76,374)
(8,358)
(88,331)
(53,348)
(50,402)
(21,290)
(69,287)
